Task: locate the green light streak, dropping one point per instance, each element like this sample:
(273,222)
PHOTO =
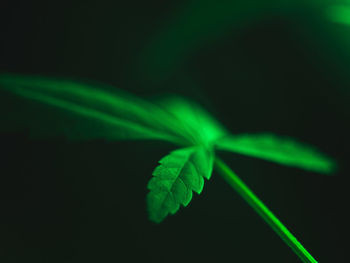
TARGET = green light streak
(243,190)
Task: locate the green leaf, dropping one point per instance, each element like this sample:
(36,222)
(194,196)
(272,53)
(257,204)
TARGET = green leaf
(179,173)
(81,111)
(283,150)
(195,122)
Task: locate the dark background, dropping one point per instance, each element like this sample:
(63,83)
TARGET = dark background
(281,70)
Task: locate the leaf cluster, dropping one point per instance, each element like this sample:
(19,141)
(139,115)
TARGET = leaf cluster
(52,107)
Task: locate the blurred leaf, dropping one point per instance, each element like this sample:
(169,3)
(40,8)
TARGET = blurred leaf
(283,150)
(173,181)
(81,111)
(196,122)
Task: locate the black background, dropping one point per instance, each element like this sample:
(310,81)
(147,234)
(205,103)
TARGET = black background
(64,201)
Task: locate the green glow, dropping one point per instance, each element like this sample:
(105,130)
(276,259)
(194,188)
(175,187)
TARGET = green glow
(339,14)
(198,23)
(195,122)
(242,189)
(179,173)
(283,150)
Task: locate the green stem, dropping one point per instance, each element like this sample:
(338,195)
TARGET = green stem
(259,207)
